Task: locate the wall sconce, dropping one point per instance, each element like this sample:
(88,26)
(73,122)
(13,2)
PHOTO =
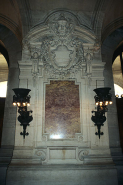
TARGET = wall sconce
(22,100)
(102,100)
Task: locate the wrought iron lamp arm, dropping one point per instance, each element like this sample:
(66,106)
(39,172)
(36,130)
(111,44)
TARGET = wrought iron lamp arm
(22,100)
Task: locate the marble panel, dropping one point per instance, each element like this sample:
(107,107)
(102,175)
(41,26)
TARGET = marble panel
(62,109)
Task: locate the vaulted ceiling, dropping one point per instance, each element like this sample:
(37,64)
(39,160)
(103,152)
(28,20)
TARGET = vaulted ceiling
(98,15)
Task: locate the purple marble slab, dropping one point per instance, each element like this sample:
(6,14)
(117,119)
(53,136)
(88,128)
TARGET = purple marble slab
(62,109)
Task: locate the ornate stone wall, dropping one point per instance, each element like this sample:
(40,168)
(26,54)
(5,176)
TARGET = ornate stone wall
(61,49)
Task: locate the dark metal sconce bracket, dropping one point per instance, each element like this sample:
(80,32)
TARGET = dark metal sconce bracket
(99,118)
(102,99)
(22,100)
(24,118)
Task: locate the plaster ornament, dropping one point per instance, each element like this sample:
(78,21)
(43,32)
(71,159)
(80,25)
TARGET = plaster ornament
(88,56)
(97,46)
(80,138)
(44,138)
(62,48)
(62,26)
(82,153)
(26,44)
(89,79)
(35,55)
(35,69)
(41,154)
(62,58)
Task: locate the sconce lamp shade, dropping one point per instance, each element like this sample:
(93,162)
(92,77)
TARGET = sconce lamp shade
(21,92)
(102,91)
(103,97)
(21,97)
